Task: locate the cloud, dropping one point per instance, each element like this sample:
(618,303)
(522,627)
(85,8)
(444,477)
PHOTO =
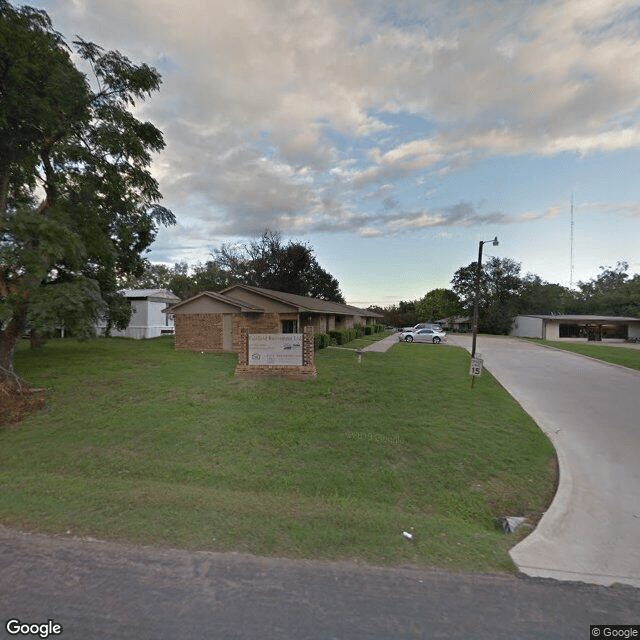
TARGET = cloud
(274,112)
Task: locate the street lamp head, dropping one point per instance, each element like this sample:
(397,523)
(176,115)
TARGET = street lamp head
(495,241)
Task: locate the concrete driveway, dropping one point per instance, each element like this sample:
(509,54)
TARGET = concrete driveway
(591,412)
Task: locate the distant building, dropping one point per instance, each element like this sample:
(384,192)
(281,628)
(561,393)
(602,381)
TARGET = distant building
(147,317)
(558,327)
(456,323)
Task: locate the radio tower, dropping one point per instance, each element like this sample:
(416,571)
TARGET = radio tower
(571,258)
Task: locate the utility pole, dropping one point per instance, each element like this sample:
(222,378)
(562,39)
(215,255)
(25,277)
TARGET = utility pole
(476,300)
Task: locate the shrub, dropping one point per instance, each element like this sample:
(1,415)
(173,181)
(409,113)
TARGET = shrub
(321,341)
(342,336)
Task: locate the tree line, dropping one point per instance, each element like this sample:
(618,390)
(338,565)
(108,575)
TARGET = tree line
(505,293)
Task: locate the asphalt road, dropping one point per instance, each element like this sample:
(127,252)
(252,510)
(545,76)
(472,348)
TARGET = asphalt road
(591,412)
(98,590)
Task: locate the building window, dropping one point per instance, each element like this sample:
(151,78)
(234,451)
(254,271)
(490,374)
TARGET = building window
(289,326)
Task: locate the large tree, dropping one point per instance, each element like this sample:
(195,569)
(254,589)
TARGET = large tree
(499,290)
(270,263)
(78,204)
(611,292)
(538,296)
(438,304)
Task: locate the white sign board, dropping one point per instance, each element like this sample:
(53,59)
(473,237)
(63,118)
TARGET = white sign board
(282,349)
(476,366)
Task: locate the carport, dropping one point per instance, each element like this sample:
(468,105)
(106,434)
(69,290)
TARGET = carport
(560,327)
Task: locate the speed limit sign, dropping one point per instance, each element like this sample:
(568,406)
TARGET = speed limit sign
(476,366)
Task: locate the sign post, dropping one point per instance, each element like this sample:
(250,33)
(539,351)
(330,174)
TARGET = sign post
(476,369)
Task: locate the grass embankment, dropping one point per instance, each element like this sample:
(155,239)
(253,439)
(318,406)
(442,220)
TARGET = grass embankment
(146,444)
(623,356)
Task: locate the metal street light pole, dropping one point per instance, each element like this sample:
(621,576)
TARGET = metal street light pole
(477,293)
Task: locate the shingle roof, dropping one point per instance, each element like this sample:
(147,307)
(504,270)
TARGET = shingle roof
(243,306)
(149,293)
(305,303)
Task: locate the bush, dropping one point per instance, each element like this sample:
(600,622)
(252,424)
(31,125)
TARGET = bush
(342,336)
(321,341)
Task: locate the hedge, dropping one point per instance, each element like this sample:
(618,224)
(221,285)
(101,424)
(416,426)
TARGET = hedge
(343,336)
(321,341)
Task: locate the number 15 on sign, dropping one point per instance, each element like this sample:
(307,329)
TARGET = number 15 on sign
(476,366)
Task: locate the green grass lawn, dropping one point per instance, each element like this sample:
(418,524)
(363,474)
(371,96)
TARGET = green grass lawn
(626,357)
(146,444)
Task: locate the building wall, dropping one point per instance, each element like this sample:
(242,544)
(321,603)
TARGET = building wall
(318,323)
(205,331)
(199,332)
(551,330)
(256,323)
(527,327)
(147,320)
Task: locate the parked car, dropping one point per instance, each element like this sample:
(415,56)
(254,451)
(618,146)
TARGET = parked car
(421,325)
(424,335)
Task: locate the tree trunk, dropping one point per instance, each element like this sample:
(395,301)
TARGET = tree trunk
(9,339)
(35,339)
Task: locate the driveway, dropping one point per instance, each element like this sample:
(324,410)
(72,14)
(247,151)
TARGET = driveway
(591,412)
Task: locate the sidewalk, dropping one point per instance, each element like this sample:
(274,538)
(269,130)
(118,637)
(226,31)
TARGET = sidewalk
(383,345)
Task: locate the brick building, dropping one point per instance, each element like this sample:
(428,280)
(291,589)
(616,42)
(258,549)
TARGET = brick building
(214,321)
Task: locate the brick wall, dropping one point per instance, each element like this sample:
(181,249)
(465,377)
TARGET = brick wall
(199,332)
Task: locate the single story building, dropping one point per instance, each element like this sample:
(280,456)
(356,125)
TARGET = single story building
(147,317)
(558,327)
(456,323)
(212,321)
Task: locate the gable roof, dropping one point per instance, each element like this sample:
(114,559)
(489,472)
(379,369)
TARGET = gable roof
(304,303)
(239,304)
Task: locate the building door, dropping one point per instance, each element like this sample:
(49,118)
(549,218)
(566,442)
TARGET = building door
(227,338)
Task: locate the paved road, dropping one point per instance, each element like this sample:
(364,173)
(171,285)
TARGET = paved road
(107,591)
(591,412)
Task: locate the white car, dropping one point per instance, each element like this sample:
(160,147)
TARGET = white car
(421,325)
(423,335)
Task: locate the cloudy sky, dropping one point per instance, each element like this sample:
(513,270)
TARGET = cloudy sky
(391,136)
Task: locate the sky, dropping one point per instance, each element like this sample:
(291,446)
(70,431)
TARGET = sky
(391,137)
